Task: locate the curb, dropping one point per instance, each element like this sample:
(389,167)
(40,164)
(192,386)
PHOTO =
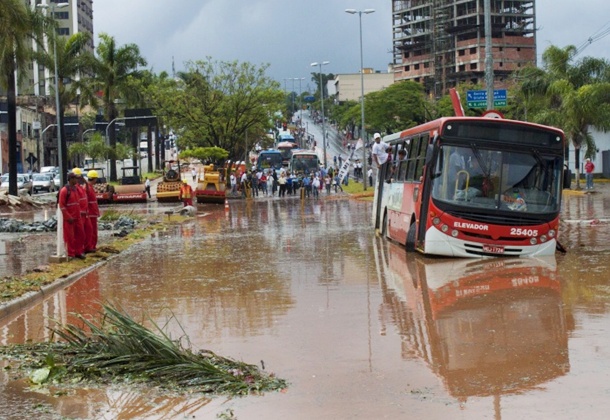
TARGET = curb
(30,299)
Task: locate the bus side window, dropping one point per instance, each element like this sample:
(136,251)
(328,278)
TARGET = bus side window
(413,153)
(401,163)
(421,157)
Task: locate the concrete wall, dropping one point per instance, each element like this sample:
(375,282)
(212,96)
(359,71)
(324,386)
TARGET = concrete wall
(602,142)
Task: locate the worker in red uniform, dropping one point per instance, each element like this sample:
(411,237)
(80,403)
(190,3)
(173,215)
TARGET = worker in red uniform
(69,205)
(84,208)
(93,212)
(186,194)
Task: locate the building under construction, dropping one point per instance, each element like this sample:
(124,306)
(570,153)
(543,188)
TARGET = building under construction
(441,43)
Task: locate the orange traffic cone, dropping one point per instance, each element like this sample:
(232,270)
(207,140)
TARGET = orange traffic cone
(226,204)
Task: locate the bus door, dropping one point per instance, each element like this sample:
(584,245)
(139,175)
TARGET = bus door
(425,162)
(381,175)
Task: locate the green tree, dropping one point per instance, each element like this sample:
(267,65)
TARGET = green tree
(112,69)
(212,154)
(95,148)
(18,27)
(218,104)
(399,106)
(572,95)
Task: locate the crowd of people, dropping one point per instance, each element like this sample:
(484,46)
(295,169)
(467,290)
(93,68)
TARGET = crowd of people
(281,183)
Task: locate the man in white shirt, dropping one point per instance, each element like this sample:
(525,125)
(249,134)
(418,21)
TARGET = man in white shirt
(233,182)
(379,150)
(380,155)
(243,182)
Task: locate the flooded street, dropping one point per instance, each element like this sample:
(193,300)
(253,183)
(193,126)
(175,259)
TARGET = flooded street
(359,328)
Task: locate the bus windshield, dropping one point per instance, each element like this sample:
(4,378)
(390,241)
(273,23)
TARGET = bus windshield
(523,181)
(268,160)
(305,164)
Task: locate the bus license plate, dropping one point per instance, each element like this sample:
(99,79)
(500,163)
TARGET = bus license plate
(493,249)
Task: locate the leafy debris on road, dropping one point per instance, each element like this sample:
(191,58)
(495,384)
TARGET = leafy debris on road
(118,349)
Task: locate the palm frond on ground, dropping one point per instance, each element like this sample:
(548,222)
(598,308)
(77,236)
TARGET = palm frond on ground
(118,348)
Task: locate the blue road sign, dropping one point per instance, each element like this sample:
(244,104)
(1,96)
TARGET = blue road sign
(309,98)
(500,95)
(478,98)
(481,95)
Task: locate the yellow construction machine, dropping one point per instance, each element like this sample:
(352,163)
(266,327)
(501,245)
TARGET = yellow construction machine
(168,190)
(211,186)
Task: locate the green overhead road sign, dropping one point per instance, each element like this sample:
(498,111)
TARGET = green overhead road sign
(483,104)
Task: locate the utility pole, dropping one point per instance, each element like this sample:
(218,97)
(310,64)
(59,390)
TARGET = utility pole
(489,64)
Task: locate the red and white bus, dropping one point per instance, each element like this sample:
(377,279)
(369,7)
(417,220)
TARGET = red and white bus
(286,148)
(473,187)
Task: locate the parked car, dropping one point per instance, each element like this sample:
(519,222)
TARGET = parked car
(43,182)
(52,169)
(23,183)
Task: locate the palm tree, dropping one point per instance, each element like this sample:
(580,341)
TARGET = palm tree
(95,148)
(18,26)
(73,64)
(573,97)
(112,69)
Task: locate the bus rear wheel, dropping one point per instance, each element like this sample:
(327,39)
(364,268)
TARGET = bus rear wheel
(384,226)
(410,244)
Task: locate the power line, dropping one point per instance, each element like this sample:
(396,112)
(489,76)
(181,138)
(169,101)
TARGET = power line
(601,33)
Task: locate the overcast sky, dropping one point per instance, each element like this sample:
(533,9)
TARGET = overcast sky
(291,34)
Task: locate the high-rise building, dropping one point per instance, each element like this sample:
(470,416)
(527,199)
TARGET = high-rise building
(76,17)
(35,92)
(441,43)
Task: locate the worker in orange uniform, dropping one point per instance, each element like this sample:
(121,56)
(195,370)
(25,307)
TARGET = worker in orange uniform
(69,205)
(93,212)
(84,208)
(186,194)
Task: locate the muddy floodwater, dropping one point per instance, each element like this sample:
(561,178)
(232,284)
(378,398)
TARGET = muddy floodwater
(359,328)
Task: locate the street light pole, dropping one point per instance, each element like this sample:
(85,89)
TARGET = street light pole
(125,119)
(362,133)
(300,108)
(320,64)
(61,249)
(292,94)
(82,137)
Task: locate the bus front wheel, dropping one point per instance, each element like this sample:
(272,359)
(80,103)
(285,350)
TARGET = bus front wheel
(410,244)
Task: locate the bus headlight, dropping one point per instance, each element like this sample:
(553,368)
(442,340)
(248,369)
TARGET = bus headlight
(454,233)
(552,233)
(533,241)
(444,228)
(543,238)
(436,221)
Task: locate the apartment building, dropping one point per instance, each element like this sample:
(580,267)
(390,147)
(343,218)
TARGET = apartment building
(441,43)
(35,93)
(75,18)
(348,87)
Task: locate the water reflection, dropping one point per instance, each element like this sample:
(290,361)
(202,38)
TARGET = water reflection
(486,327)
(95,403)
